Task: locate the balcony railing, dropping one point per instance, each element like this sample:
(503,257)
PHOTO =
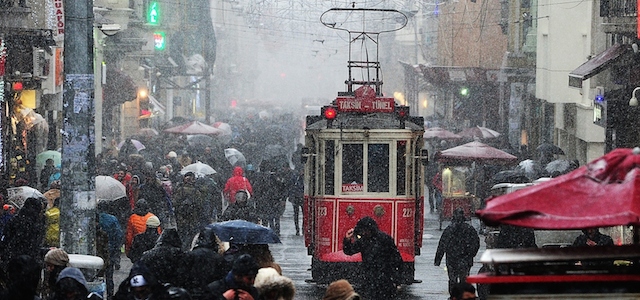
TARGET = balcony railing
(618,8)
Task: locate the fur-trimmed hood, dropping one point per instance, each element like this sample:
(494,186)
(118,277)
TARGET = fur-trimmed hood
(273,286)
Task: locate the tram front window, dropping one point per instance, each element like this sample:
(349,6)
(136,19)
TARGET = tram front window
(378,168)
(352,166)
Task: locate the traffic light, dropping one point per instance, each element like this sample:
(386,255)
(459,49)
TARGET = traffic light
(159,40)
(153,13)
(464,91)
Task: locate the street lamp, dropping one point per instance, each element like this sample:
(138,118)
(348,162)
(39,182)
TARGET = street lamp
(634,101)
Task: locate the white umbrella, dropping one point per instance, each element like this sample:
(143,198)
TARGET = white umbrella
(199,169)
(234,156)
(109,189)
(139,146)
(17,195)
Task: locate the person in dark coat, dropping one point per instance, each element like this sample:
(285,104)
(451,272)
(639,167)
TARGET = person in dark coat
(593,237)
(237,283)
(166,259)
(191,209)
(152,190)
(240,209)
(24,233)
(144,241)
(460,242)
(270,195)
(140,284)
(204,263)
(515,237)
(71,285)
(381,260)
(296,195)
(22,279)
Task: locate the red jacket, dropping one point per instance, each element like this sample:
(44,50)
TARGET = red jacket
(236,183)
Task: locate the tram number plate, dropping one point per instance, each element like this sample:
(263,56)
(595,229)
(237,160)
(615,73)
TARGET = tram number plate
(407,212)
(322,211)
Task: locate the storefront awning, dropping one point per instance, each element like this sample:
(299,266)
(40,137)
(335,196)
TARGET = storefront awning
(598,63)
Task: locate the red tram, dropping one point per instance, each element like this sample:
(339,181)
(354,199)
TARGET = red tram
(363,157)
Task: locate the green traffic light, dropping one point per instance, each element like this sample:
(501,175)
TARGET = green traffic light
(153,13)
(464,91)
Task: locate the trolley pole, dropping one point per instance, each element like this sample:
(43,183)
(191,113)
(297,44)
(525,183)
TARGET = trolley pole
(78,200)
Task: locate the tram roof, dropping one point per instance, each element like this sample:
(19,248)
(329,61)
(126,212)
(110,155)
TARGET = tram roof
(370,121)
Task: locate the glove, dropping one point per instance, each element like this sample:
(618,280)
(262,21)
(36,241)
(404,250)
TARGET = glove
(232,294)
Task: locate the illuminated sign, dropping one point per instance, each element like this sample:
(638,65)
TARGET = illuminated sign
(159,41)
(365,105)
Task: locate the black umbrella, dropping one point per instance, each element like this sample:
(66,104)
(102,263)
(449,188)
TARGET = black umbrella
(244,232)
(550,148)
(510,176)
(560,166)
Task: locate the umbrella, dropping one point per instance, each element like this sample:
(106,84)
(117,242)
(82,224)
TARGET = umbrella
(16,196)
(510,176)
(234,156)
(244,232)
(194,127)
(560,166)
(139,146)
(227,132)
(550,148)
(440,133)
(42,157)
(109,189)
(605,192)
(147,132)
(479,132)
(475,151)
(531,168)
(274,151)
(199,169)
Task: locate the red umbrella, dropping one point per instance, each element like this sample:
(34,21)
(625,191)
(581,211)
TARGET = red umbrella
(195,127)
(440,133)
(479,132)
(475,151)
(603,193)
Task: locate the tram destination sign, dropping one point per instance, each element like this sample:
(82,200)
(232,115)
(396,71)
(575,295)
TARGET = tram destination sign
(365,104)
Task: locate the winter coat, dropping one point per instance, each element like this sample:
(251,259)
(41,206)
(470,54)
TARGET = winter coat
(191,206)
(214,290)
(381,260)
(157,199)
(600,239)
(235,183)
(137,224)
(460,242)
(212,193)
(111,226)
(240,211)
(52,224)
(271,193)
(166,260)
(204,263)
(296,188)
(24,233)
(143,242)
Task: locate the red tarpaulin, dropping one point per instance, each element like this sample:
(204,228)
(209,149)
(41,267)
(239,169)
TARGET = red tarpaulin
(195,127)
(601,194)
(475,151)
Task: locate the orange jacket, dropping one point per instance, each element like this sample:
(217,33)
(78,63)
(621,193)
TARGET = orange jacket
(137,224)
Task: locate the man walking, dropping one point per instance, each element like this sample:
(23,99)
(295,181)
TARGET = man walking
(381,260)
(460,242)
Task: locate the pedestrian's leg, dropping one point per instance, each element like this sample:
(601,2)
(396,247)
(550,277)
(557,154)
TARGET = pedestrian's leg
(431,201)
(453,276)
(108,274)
(276,225)
(296,215)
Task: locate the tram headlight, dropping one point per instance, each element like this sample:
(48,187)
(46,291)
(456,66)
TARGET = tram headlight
(329,113)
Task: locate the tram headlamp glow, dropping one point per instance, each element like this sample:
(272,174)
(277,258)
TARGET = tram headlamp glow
(329,113)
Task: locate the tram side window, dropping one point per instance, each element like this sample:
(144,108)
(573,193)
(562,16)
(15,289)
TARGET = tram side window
(401,177)
(329,167)
(352,166)
(378,168)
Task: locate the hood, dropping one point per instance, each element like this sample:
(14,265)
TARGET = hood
(340,290)
(75,274)
(169,237)
(366,223)
(207,239)
(142,207)
(274,285)
(31,207)
(237,171)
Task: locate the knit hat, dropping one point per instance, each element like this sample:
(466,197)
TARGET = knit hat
(172,154)
(75,274)
(273,285)
(340,290)
(245,265)
(138,281)
(153,222)
(57,257)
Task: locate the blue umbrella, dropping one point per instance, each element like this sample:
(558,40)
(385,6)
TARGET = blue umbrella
(244,232)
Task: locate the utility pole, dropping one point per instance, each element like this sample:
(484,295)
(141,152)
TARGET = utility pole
(78,200)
